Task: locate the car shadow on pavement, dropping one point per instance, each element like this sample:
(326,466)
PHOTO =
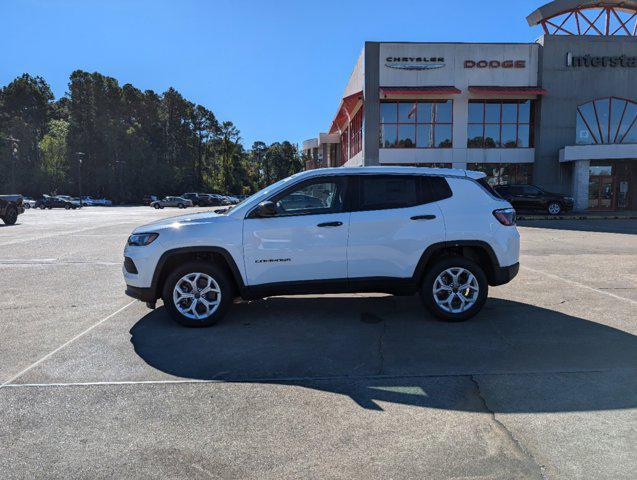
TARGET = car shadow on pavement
(387,349)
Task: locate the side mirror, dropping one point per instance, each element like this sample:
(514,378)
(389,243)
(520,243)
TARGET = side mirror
(266,209)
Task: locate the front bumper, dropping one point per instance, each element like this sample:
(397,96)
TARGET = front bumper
(139,293)
(502,275)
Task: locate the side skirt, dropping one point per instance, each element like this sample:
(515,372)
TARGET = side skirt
(395,286)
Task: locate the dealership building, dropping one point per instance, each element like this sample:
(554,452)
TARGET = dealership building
(560,112)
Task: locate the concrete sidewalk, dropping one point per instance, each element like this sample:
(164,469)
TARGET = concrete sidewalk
(621,215)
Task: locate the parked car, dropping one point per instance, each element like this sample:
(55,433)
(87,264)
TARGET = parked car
(214,200)
(531,197)
(440,232)
(179,202)
(231,199)
(72,201)
(148,199)
(10,207)
(102,202)
(28,202)
(88,201)
(197,199)
(58,201)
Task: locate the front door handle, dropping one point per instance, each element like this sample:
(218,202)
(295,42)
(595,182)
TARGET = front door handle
(330,224)
(423,217)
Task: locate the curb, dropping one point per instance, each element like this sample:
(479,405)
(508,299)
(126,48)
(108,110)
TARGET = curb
(576,217)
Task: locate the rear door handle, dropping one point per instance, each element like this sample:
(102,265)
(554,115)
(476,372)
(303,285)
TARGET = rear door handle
(330,224)
(423,217)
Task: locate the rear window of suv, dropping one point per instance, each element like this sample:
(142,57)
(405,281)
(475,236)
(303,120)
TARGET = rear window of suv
(384,192)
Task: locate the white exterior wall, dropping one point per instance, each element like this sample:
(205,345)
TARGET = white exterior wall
(454,73)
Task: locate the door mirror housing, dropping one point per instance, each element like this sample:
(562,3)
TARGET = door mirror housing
(266,209)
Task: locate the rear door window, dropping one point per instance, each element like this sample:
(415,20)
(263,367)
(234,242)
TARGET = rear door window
(382,192)
(390,191)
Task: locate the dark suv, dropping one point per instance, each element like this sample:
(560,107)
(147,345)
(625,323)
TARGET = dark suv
(530,197)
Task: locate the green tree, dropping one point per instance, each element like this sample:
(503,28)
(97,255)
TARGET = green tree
(25,106)
(55,167)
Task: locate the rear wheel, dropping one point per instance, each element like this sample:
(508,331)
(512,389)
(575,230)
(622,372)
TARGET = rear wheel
(67,207)
(454,289)
(198,294)
(181,205)
(156,206)
(554,208)
(42,207)
(10,216)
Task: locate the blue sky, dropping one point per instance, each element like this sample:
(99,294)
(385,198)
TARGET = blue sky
(277,69)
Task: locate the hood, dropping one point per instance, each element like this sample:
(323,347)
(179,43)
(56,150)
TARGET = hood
(179,222)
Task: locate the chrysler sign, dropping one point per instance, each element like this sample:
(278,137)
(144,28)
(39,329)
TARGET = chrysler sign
(415,63)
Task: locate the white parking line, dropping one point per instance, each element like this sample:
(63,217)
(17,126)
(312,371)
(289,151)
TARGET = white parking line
(580,285)
(79,335)
(329,378)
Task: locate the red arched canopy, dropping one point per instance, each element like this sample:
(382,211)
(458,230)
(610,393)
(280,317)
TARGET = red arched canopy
(587,17)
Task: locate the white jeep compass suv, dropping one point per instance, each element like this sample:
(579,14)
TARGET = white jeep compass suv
(400,230)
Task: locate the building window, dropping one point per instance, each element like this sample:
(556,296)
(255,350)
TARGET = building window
(356,133)
(416,124)
(500,124)
(606,120)
(504,173)
(345,146)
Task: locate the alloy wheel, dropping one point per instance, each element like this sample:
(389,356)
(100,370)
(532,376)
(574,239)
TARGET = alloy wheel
(554,208)
(455,290)
(197,295)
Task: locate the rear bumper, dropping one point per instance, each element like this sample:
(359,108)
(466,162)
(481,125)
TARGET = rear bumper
(143,294)
(502,275)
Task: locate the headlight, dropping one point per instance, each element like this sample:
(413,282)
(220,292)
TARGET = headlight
(141,239)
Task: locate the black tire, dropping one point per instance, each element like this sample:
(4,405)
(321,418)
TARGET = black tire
(214,271)
(10,216)
(156,206)
(427,295)
(27,206)
(42,207)
(554,208)
(181,205)
(67,207)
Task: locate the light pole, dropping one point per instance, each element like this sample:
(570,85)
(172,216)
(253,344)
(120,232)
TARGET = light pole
(79,174)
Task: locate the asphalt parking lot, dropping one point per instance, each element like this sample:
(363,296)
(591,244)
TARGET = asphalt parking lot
(542,384)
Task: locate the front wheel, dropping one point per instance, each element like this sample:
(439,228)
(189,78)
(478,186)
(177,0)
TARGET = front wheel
(454,289)
(27,206)
(67,207)
(181,205)
(554,208)
(198,294)
(10,216)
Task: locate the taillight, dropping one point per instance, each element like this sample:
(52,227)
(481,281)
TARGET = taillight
(506,216)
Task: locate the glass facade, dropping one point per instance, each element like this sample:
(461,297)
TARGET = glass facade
(505,173)
(606,120)
(416,124)
(356,133)
(500,124)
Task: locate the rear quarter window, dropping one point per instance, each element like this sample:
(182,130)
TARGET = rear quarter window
(490,190)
